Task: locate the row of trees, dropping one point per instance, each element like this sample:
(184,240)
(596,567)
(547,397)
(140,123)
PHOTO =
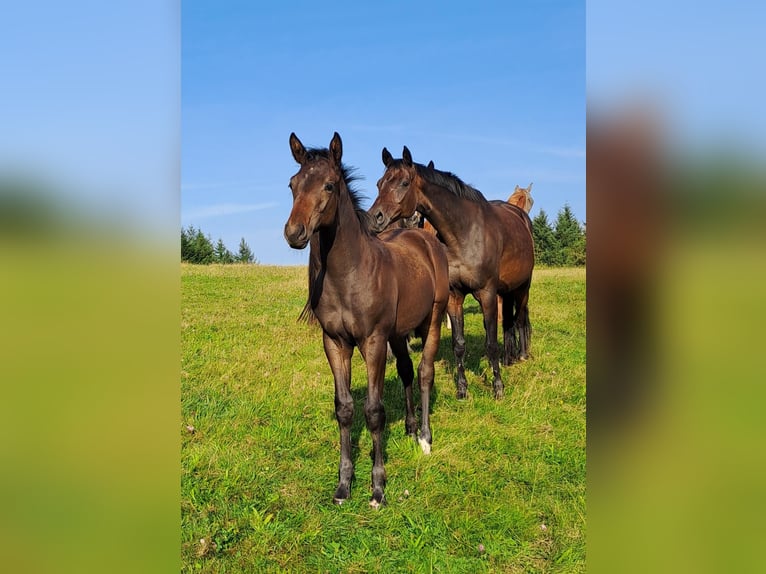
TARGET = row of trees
(196,247)
(562,244)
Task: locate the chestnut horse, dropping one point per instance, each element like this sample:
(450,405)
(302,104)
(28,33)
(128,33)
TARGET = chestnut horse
(522,197)
(365,291)
(489,246)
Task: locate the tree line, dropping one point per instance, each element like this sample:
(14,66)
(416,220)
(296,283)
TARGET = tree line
(558,245)
(561,244)
(196,247)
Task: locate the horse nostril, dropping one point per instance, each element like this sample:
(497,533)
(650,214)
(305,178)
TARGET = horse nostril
(379,217)
(295,233)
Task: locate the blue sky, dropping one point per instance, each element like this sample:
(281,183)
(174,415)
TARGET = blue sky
(494,93)
(699,63)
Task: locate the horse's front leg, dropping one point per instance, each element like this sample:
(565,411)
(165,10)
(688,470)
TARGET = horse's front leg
(339,356)
(374,351)
(455,313)
(488,300)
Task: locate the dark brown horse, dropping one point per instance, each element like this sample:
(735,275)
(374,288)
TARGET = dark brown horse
(489,247)
(365,290)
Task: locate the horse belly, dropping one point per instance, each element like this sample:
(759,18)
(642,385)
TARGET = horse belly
(415,303)
(416,254)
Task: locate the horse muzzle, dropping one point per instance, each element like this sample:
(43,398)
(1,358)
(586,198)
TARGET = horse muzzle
(296,235)
(379,220)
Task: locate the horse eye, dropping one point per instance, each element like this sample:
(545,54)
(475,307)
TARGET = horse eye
(328,187)
(405,183)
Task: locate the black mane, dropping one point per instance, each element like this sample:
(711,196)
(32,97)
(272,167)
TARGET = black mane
(349,178)
(450,182)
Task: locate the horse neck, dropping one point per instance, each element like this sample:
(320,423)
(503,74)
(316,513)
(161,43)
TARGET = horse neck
(342,246)
(446,211)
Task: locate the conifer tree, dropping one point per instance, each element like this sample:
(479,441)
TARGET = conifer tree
(245,255)
(202,248)
(222,253)
(570,237)
(547,250)
(186,243)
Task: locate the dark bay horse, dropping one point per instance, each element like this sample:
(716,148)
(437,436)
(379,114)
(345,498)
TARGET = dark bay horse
(489,247)
(365,290)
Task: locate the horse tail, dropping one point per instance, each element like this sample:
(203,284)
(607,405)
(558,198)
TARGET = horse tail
(307,315)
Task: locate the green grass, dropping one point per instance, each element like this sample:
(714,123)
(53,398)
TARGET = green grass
(259,470)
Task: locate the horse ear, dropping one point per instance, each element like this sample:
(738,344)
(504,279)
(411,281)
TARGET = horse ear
(387,157)
(431,164)
(407,156)
(336,148)
(530,187)
(515,189)
(299,152)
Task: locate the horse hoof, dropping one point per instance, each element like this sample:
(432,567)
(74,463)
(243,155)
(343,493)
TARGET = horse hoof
(499,394)
(342,494)
(425,445)
(377,500)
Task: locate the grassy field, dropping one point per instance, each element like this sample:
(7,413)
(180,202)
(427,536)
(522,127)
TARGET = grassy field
(502,491)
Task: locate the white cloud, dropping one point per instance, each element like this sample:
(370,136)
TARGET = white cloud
(226,209)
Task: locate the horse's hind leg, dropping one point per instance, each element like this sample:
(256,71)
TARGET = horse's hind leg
(488,301)
(399,347)
(455,311)
(521,321)
(510,346)
(431,333)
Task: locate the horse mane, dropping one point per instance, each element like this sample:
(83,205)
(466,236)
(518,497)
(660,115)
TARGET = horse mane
(450,182)
(349,176)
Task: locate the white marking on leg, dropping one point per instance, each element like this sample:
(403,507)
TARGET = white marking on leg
(425,445)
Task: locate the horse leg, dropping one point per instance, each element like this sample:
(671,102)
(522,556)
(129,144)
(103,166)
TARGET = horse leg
(455,312)
(510,347)
(488,300)
(374,352)
(431,334)
(339,356)
(399,346)
(521,321)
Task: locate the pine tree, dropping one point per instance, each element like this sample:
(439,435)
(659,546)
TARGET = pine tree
(245,255)
(570,237)
(186,243)
(202,248)
(547,251)
(222,254)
